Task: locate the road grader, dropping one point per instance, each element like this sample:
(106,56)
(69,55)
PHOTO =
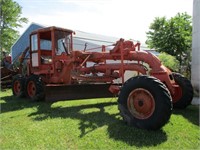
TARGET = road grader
(56,71)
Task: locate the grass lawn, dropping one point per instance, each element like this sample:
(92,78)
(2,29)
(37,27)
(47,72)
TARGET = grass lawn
(88,124)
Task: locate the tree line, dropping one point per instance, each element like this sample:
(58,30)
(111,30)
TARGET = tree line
(173,37)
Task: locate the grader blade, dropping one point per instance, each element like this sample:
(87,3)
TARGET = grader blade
(74,92)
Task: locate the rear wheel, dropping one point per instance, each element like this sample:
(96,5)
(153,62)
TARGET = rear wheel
(186,91)
(145,102)
(18,86)
(35,88)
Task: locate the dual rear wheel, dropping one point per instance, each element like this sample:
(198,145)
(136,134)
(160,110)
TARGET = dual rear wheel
(32,87)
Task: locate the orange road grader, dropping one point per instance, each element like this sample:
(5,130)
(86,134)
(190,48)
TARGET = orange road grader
(56,71)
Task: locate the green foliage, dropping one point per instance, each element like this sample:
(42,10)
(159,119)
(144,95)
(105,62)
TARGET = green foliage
(173,36)
(88,124)
(169,61)
(11,20)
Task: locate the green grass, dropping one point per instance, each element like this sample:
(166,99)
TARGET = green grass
(88,124)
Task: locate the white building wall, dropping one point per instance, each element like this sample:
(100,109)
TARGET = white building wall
(196,45)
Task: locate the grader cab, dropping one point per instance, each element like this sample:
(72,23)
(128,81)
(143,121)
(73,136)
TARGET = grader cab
(56,71)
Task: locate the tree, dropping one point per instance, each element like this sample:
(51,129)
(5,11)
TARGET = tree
(10,21)
(169,61)
(173,36)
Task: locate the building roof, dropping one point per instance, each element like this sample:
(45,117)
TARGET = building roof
(23,41)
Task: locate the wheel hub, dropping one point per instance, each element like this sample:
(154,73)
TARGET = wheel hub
(141,103)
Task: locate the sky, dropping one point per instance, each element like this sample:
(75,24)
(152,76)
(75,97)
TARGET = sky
(129,19)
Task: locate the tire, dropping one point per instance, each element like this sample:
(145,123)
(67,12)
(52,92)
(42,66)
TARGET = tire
(35,88)
(145,102)
(18,86)
(186,91)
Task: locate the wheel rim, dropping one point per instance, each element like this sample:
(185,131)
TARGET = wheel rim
(17,87)
(141,103)
(31,89)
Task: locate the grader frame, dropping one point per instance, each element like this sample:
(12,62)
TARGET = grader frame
(57,71)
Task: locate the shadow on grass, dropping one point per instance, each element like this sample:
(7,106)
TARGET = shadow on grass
(95,119)
(92,120)
(13,104)
(191,113)
(89,121)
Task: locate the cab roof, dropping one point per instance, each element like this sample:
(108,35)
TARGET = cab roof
(51,28)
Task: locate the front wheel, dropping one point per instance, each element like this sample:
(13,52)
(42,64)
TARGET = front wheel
(145,102)
(35,88)
(186,91)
